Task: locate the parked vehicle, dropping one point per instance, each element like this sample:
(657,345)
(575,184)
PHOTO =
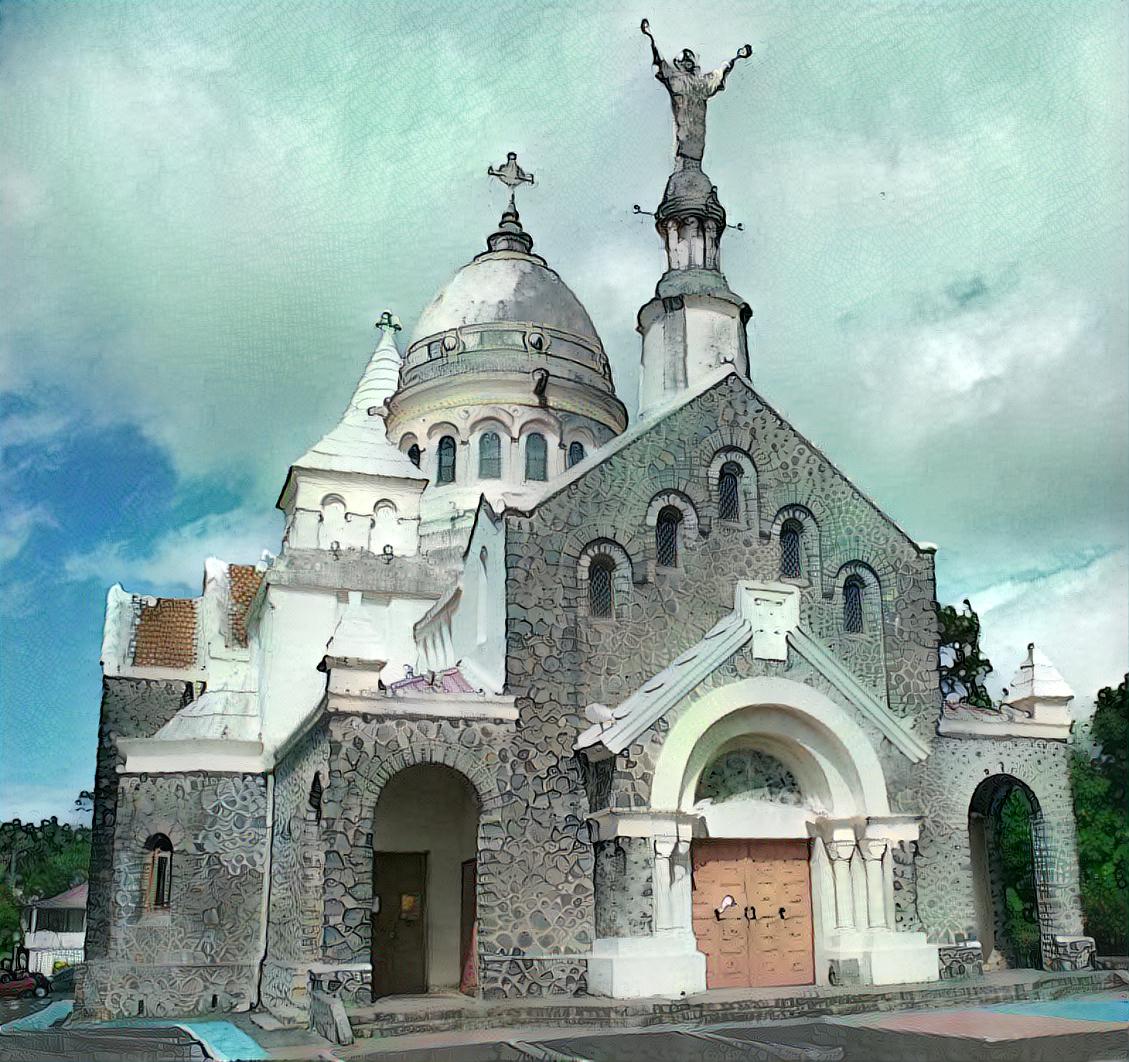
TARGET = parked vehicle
(25,986)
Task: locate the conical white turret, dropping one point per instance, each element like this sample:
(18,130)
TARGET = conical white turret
(360,443)
(353,489)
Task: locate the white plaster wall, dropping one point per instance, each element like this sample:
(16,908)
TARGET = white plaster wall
(377,510)
(478,623)
(433,809)
(296,624)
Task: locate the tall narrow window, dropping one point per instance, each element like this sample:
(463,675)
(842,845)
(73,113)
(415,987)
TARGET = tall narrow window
(601,592)
(490,456)
(446,460)
(666,536)
(853,590)
(575,453)
(156,874)
(414,455)
(536,457)
(791,549)
(729,492)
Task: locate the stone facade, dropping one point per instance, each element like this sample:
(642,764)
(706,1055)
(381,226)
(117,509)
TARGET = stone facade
(203,953)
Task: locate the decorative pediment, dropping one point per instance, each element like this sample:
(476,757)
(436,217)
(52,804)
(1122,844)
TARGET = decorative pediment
(767,615)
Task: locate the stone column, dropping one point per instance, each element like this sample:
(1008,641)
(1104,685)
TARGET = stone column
(672,886)
(840,853)
(872,850)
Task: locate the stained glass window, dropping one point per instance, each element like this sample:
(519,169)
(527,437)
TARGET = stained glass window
(490,456)
(791,549)
(601,594)
(666,536)
(446,460)
(536,457)
(853,590)
(729,492)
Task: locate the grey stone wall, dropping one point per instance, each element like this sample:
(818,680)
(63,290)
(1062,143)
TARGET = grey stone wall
(298,861)
(944,789)
(204,953)
(130,708)
(534,861)
(561,659)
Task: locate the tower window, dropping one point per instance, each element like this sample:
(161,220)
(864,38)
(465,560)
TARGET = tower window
(853,590)
(791,549)
(490,456)
(446,460)
(666,536)
(729,492)
(601,594)
(575,453)
(156,874)
(536,457)
(414,454)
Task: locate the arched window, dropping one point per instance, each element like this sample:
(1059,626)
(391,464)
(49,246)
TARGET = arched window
(729,491)
(601,594)
(490,456)
(314,799)
(414,454)
(667,527)
(575,453)
(792,549)
(536,457)
(446,460)
(853,590)
(483,612)
(156,874)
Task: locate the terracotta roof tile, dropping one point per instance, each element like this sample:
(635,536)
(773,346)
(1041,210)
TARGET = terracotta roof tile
(245,580)
(165,635)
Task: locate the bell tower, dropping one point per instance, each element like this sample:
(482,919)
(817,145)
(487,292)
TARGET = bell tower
(695,324)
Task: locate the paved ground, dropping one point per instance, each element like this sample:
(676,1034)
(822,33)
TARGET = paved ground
(1073,1029)
(13,1009)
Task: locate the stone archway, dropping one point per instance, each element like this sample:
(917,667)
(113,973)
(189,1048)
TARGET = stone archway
(425,852)
(1007,842)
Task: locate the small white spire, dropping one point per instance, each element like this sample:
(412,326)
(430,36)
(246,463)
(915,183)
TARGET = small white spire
(360,443)
(1038,688)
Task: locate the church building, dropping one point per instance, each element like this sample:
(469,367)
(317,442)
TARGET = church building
(535,701)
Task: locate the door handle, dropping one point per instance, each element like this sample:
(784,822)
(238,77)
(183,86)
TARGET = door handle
(750,917)
(782,915)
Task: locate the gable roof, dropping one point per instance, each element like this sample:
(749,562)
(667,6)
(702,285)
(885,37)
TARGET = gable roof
(660,414)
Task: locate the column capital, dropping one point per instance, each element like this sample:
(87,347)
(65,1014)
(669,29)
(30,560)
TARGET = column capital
(840,850)
(872,848)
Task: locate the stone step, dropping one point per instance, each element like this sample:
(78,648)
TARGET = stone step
(391,1018)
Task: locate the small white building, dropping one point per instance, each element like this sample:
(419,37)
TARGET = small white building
(55,930)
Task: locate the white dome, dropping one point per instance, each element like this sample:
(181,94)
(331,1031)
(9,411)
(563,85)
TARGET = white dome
(510,287)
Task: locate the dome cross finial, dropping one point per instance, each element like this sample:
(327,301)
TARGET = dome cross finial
(510,236)
(389,322)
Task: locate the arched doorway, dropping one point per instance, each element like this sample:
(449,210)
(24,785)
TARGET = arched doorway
(425,845)
(1006,839)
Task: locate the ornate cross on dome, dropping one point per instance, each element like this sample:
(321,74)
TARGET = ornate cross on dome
(511,175)
(388,320)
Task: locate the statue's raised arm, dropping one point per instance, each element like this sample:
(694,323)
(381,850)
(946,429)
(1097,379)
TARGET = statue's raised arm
(718,77)
(662,68)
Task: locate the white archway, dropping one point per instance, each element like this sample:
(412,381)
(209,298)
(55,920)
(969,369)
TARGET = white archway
(850,777)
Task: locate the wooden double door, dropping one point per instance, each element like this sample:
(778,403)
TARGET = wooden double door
(753,912)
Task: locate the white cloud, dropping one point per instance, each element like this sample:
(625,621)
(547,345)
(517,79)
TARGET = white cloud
(17,525)
(176,560)
(1076,615)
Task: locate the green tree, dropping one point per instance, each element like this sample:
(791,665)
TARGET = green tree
(1100,786)
(37,861)
(1017,869)
(963,666)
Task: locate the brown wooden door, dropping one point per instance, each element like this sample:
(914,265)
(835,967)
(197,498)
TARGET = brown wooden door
(780,934)
(399,923)
(752,912)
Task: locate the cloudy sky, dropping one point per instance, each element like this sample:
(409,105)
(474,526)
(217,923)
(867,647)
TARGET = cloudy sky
(205,206)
